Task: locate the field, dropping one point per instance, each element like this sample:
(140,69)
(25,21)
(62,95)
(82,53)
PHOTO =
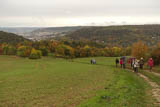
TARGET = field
(62,83)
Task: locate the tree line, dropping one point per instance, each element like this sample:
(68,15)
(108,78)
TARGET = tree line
(77,49)
(63,49)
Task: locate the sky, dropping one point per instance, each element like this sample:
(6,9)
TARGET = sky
(47,13)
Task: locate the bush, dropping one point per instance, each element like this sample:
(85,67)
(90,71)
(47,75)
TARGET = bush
(35,54)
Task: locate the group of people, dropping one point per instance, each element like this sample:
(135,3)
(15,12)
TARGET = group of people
(122,62)
(93,61)
(134,63)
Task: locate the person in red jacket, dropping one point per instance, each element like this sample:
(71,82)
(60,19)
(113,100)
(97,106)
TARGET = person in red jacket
(150,63)
(121,62)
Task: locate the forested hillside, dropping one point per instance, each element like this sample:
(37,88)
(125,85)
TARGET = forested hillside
(119,35)
(11,38)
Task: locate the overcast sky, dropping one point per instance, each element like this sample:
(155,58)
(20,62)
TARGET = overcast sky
(78,12)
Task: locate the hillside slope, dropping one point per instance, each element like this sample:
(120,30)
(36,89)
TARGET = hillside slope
(119,35)
(11,38)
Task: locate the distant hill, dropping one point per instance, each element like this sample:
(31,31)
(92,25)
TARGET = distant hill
(44,33)
(11,38)
(18,30)
(58,29)
(119,35)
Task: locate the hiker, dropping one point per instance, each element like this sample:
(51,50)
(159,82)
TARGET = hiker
(124,62)
(121,62)
(150,64)
(91,61)
(94,61)
(117,61)
(141,63)
(133,62)
(135,65)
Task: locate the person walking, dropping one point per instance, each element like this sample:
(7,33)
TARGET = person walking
(133,62)
(150,64)
(135,65)
(121,62)
(117,62)
(124,62)
(93,61)
(141,63)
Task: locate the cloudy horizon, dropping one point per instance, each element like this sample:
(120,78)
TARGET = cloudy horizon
(50,13)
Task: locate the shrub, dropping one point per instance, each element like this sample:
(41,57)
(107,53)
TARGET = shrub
(35,54)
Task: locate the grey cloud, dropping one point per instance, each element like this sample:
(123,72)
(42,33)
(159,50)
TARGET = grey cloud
(78,8)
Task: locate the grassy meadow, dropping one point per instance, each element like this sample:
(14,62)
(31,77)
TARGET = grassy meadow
(52,82)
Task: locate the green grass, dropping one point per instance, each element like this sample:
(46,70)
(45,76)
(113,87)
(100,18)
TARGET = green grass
(152,77)
(156,69)
(62,83)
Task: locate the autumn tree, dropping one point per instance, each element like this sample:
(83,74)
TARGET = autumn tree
(35,54)
(1,50)
(24,51)
(44,50)
(116,51)
(156,54)
(11,50)
(139,50)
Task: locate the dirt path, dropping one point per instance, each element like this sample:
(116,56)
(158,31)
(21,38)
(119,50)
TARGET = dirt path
(155,88)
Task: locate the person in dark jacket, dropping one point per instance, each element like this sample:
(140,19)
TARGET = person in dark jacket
(141,63)
(117,62)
